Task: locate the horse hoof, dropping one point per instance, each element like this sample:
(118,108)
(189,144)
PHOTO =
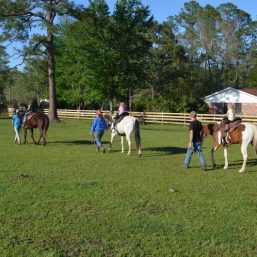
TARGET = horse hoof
(110,149)
(128,154)
(139,155)
(242,171)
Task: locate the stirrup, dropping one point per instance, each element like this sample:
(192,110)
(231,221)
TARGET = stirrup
(225,141)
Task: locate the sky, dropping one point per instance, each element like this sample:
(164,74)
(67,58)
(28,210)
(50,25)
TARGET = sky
(162,9)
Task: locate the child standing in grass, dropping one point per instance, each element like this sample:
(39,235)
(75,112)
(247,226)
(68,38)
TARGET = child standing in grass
(97,128)
(16,123)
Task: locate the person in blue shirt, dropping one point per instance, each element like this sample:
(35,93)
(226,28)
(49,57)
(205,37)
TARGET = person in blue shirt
(16,123)
(98,127)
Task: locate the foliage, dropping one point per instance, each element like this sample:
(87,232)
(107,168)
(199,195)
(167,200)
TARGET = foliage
(19,17)
(205,32)
(109,52)
(31,83)
(101,58)
(4,72)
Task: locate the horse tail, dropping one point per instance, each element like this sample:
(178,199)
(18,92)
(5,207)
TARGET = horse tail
(255,139)
(46,124)
(137,135)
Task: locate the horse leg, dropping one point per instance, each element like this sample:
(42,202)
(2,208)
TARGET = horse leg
(25,135)
(212,156)
(245,157)
(40,136)
(113,134)
(32,136)
(44,138)
(122,144)
(225,157)
(129,144)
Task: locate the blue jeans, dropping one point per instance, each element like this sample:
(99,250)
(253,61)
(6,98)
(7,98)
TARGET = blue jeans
(197,147)
(17,134)
(98,138)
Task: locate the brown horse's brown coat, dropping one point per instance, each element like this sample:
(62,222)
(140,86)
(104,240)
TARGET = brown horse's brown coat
(36,120)
(235,136)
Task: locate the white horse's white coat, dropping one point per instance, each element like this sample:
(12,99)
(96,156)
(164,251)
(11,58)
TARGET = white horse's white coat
(125,128)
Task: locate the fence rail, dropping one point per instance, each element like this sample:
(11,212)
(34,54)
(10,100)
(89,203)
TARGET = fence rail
(151,117)
(145,117)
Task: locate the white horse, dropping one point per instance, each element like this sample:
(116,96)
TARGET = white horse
(125,128)
(244,134)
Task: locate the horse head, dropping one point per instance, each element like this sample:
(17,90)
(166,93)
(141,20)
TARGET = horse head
(208,129)
(108,119)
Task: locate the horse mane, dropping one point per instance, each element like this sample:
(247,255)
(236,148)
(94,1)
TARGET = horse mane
(209,129)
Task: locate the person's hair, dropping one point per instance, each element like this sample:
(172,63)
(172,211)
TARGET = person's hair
(122,103)
(192,114)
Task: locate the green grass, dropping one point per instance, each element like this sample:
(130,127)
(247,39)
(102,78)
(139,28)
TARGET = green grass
(66,199)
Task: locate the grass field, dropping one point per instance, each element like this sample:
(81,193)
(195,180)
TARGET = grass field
(66,199)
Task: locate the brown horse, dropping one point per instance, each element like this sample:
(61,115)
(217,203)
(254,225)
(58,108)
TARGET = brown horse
(243,134)
(36,120)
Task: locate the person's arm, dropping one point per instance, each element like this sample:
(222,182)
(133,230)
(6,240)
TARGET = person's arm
(190,144)
(202,134)
(93,126)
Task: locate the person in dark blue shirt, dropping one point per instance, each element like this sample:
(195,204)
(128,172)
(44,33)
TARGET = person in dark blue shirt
(98,127)
(16,123)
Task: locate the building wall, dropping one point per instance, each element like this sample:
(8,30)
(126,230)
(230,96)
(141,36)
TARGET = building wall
(249,109)
(244,108)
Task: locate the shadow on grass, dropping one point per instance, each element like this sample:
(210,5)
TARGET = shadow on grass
(73,142)
(76,142)
(238,163)
(167,150)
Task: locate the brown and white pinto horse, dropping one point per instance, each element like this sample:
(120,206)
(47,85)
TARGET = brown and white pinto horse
(243,134)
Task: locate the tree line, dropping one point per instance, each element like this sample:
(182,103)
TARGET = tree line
(88,56)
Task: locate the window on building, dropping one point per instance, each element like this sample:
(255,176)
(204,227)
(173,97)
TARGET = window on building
(238,108)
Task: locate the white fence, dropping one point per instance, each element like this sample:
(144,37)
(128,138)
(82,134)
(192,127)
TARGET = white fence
(150,117)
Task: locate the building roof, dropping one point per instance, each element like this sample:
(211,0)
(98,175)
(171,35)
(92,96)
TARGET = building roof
(233,95)
(251,91)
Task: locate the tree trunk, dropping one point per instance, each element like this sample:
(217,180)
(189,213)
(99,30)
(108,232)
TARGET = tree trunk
(51,69)
(130,100)
(111,105)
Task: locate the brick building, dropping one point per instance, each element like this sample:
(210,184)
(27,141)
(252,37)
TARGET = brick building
(245,101)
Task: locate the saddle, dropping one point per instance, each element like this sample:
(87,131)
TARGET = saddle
(226,127)
(235,135)
(233,124)
(121,117)
(118,119)
(27,116)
